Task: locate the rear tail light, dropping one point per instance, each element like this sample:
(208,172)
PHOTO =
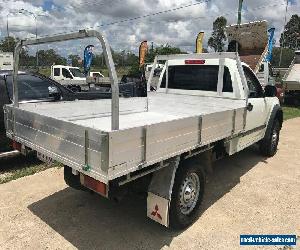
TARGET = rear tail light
(193,61)
(91,183)
(17,146)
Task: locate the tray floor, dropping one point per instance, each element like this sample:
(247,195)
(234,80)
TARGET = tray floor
(133,113)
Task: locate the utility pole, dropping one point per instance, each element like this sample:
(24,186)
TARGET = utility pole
(7,25)
(283,35)
(7,28)
(26,13)
(239,21)
(35,16)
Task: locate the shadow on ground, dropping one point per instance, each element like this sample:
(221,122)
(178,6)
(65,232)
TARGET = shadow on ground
(5,143)
(89,221)
(17,162)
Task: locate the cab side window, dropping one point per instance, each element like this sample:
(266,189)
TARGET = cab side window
(255,89)
(56,71)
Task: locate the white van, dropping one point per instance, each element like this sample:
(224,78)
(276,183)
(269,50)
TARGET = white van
(6,61)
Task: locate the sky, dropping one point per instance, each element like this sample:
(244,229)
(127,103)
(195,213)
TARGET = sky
(177,24)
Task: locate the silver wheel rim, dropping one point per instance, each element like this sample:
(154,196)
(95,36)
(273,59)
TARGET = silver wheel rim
(189,193)
(274,138)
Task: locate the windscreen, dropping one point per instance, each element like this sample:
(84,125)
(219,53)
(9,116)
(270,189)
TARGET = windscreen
(196,77)
(76,72)
(29,87)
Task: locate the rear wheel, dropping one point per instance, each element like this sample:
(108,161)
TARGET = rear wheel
(187,195)
(268,145)
(72,180)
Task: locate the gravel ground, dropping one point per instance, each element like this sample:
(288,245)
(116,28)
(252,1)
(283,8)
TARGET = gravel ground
(248,194)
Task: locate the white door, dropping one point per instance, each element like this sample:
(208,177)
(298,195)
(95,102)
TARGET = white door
(257,110)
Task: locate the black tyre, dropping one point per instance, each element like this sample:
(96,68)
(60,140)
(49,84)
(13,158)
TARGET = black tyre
(71,180)
(187,195)
(268,145)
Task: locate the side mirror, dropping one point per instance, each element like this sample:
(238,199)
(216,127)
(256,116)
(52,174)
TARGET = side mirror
(54,93)
(270,91)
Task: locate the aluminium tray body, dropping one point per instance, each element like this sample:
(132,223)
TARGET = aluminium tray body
(151,130)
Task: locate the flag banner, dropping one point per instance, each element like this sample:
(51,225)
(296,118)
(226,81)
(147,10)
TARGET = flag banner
(142,53)
(199,42)
(271,32)
(88,58)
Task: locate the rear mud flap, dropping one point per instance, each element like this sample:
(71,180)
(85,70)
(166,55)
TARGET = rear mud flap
(158,209)
(160,192)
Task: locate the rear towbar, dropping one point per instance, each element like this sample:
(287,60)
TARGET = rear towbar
(72,36)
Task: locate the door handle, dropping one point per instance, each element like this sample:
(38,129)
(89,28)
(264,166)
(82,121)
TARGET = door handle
(249,107)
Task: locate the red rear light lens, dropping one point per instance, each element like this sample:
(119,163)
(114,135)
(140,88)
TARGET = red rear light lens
(95,185)
(194,61)
(16,146)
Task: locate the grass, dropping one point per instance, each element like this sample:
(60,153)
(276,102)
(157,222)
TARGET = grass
(290,112)
(20,166)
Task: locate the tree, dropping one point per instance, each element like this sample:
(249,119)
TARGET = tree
(49,57)
(46,57)
(75,60)
(287,57)
(8,44)
(218,38)
(131,58)
(162,50)
(27,60)
(98,61)
(291,33)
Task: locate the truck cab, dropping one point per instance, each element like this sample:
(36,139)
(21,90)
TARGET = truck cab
(69,76)
(61,72)
(199,77)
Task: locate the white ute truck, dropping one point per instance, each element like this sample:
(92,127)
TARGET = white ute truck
(206,106)
(69,76)
(74,79)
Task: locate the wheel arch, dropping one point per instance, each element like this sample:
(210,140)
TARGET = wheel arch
(276,118)
(276,113)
